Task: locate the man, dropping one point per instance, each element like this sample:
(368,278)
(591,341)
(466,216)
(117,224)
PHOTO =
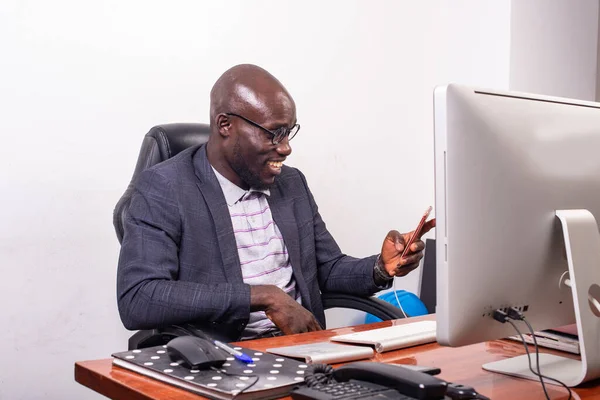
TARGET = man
(226,237)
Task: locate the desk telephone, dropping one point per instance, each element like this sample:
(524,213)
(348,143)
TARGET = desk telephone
(371,380)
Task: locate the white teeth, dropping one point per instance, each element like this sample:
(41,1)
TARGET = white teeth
(277,164)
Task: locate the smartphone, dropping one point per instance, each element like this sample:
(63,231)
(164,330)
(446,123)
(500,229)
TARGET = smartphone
(417,233)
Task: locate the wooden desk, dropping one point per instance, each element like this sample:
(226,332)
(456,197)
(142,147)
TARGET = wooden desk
(461,365)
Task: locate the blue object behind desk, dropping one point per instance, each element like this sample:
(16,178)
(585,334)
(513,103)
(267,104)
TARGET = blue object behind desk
(411,304)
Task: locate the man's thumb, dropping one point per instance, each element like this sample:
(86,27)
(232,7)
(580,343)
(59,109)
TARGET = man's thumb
(398,240)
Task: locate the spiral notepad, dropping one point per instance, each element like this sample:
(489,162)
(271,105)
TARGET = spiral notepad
(268,376)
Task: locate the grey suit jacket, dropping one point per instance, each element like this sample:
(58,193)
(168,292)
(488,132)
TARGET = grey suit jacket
(179,261)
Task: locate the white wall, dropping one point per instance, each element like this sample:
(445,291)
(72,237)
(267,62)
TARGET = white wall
(597,98)
(81,82)
(554,47)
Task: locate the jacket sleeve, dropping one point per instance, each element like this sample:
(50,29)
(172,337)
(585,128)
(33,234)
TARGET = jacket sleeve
(338,272)
(149,293)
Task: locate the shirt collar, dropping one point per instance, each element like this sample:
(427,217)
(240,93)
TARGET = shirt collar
(232,192)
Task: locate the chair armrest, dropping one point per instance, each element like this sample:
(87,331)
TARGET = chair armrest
(371,305)
(149,338)
(159,336)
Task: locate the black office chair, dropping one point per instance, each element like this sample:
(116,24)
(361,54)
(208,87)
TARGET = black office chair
(163,142)
(427,294)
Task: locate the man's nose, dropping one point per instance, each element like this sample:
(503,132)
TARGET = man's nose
(283,148)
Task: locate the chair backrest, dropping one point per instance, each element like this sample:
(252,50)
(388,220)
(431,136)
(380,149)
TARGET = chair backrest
(427,293)
(160,143)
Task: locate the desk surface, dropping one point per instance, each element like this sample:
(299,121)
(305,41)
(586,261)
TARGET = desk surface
(461,365)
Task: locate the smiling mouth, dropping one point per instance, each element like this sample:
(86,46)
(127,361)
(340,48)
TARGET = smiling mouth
(275,164)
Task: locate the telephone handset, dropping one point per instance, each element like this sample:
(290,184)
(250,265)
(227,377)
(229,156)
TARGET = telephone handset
(372,380)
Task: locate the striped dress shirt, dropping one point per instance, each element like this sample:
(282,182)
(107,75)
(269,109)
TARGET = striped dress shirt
(263,256)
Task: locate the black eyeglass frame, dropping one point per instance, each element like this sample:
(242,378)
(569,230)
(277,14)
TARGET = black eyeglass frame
(278,134)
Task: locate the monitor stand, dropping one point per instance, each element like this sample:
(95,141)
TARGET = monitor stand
(582,243)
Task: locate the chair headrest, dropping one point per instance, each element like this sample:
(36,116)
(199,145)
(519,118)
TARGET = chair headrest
(160,143)
(174,138)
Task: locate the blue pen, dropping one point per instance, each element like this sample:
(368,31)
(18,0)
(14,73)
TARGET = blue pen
(237,354)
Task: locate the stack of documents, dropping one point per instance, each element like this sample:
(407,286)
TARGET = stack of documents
(551,340)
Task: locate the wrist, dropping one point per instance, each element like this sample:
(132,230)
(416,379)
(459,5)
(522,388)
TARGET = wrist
(380,272)
(262,297)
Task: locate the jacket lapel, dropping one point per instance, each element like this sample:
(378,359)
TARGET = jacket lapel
(213,195)
(282,210)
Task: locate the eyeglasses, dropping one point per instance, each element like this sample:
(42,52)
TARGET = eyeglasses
(278,134)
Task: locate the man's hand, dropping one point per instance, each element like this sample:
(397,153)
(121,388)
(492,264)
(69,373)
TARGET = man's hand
(393,246)
(285,312)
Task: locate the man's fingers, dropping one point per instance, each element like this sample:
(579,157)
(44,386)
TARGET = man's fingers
(315,323)
(429,225)
(286,330)
(412,259)
(405,269)
(417,246)
(316,327)
(396,238)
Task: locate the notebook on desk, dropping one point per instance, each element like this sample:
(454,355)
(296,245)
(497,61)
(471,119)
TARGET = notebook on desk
(267,377)
(393,337)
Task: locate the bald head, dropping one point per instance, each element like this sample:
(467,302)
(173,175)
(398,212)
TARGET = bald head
(247,106)
(251,91)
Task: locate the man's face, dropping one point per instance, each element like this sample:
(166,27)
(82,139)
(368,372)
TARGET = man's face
(255,159)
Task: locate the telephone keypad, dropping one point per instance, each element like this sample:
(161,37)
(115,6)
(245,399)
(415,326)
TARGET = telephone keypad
(347,390)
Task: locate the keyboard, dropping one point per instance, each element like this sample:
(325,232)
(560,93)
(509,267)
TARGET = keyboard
(393,337)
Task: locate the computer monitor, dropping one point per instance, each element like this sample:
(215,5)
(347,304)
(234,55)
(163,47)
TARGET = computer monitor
(513,172)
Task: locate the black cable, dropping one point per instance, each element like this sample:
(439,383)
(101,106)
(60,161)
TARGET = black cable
(538,374)
(319,374)
(516,314)
(538,357)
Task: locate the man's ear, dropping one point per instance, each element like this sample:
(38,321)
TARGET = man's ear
(224,125)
